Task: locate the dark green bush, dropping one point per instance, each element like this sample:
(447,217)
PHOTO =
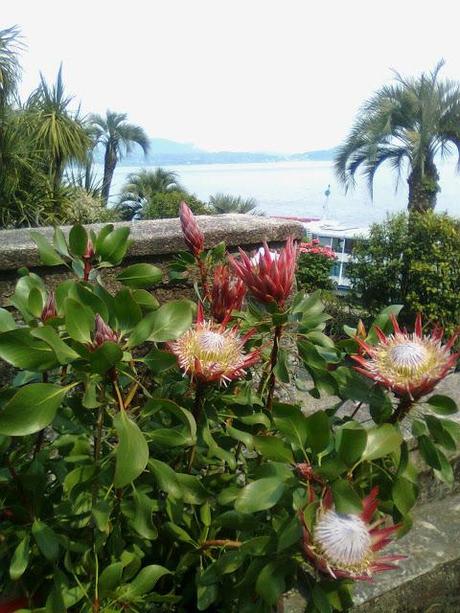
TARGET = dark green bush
(412,260)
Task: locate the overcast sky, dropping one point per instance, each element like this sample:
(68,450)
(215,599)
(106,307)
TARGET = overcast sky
(285,75)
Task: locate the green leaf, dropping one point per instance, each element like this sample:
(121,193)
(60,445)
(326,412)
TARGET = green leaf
(78,240)
(127,312)
(142,520)
(105,357)
(166,478)
(48,255)
(404,495)
(79,320)
(291,422)
(350,442)
(270,583)
(46,539)
(31,409)
(429,452)
(145,300)
(290,535)
(443,405)
(158,361)
(192,489)
(244,437)
(439,434)
(345,498)
(63,352)
(260,495)
(146,580)
(132,453)
(281,369)
(206,595)
(35,302)
(60,241)
(20,559)
(6,321)
(320,600)
(110,578)
(139,276)
(318,431)
(274,449)
(114,246)
(382,441)
(20,349)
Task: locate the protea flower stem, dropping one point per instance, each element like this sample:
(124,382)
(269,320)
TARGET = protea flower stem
(198,405)
(403,408)
(273,361)
(204,277)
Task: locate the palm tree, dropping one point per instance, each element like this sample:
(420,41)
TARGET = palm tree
(58,133)
(142,185)
(406,124)
(226,203)
(118,136)
(10,69)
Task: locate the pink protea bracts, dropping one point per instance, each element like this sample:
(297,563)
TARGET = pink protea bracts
(49,311)
(270,279)
(103,333)
(210,352)
(408,364)
(226,295)
(347,545)
(193,236)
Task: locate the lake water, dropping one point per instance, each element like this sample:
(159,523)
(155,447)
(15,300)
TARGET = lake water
(297,189)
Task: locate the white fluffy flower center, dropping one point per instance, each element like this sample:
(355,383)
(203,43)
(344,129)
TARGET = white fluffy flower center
(344,539)
(409,355)
(211,341)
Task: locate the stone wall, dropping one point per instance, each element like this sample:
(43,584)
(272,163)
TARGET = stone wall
(155,241)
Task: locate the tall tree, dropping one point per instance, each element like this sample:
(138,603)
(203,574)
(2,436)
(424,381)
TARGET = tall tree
(118,137)
(406,124)
(57,132)
(10,69)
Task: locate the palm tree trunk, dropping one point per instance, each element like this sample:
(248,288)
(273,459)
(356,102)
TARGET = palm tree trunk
(423,189)
(110,162)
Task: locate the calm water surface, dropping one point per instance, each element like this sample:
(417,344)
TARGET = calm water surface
(297,188)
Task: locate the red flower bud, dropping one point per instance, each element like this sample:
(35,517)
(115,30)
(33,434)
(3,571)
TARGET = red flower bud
(193,236)
(103,333)
(270,277)
(49,310)
(227,294)
(89,253)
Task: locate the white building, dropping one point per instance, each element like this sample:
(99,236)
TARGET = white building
(340,237)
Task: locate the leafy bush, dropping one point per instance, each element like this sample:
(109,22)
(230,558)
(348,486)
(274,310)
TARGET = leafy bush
(314,266)
(147,462)
(161,205)
(412,260)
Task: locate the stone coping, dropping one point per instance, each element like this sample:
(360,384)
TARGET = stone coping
(160,236)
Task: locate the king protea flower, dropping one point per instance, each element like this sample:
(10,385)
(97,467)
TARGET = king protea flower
(210,352)
(347,545)
(103,333)
(226,295)
(409,364)
(270,279)
(193,236)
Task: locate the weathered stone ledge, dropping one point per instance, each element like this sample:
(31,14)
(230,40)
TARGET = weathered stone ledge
(160,236)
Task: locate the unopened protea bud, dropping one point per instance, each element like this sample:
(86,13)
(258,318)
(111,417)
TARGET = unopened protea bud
(103,333)
(227,293)
(89,252)
(193,236)
(49,310)
(347,545)
(270,279)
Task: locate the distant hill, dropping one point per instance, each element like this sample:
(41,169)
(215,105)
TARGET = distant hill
(164,152)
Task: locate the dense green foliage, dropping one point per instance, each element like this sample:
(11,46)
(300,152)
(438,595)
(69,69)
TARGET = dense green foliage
(129,485)
(405,125)
(166,204)
(412,260)
(226,203)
